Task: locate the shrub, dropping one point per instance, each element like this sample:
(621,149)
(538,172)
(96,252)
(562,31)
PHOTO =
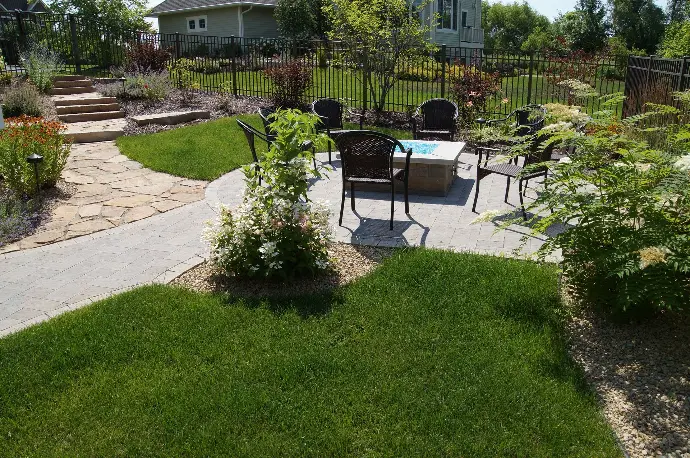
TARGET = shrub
(204,65)
(471,89)
(276,231)
(290,81)
(625,191)
(141,85)
(265,48)
(182,76)
(230,50)
(17,217)
(41,65)
(22,99)
(146,57)
(24,136)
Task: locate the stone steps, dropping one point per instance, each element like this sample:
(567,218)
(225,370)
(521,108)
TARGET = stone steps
(72,83)
(92,116)
(87,108)
(95,131)
(93,98)
(71,90)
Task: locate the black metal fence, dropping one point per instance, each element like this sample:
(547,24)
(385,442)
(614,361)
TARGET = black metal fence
(236,65)
(652,79)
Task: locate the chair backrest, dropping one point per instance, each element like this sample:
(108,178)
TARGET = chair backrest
(330,111)
(530,119)
(438,114)
(265,114)
(367,154)
(251,134)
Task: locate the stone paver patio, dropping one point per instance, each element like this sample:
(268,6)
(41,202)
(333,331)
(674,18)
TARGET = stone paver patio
(112,190)
(43,282)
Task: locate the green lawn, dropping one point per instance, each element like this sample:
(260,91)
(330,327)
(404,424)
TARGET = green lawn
(434,354)
(203,151)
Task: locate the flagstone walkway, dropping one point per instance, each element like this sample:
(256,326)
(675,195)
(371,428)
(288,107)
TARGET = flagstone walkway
(37,284)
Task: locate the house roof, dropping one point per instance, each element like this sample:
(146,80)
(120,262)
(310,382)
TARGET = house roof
(173,6)
(23,5)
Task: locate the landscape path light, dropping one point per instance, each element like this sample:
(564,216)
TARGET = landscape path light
(35,159)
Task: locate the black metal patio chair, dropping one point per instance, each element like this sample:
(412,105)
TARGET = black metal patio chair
(528,120)
(435,119)
(512,170)
(252,134)
(331,113)
(367,157)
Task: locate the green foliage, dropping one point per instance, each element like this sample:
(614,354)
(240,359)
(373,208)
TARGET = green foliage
(301,19)
(276,231)
(146,57)
(508,25)
(41,65)
(21,98)
(619,51)
(539,40)
(471,89)
(24,136)
(585,28)
(676,42)
(626,192)
(379,35)
(639,22)
(182,76)
(113,15)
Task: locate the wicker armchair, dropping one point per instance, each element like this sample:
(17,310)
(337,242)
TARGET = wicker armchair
(251,134)
(511,170)
(367,157)
(331,112)
(265,114)
(435,119)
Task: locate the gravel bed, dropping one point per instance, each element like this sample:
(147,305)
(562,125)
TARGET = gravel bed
(349,263)
(641,373)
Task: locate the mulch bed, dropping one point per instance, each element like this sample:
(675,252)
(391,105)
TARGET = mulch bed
(31,221)
(349,263)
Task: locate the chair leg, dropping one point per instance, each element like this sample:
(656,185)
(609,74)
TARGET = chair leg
(392,202)
(507,189)
(329,152)
(342,206)
(407,197)
(476,193)
(352,196)
(522,204)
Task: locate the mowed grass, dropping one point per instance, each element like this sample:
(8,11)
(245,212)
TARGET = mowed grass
(434,354)
(203,151)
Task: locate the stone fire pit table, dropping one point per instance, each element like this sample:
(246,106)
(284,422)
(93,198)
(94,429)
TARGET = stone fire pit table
(432,165)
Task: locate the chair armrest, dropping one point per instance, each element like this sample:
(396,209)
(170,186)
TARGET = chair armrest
(483,149)
(361,115)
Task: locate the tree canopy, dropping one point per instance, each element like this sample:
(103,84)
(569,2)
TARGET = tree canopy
(507,26)
(639,22)
(114,14)
(301,19)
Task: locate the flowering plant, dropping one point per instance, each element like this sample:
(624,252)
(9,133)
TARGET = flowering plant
(276,231)
(472,89)
(624,197)
(24,136)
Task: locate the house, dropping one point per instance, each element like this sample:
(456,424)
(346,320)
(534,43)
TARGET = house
(455,23)
(23,5)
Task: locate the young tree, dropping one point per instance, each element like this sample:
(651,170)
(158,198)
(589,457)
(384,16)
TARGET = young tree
(677,10)
(639,22)
(113,14)
(583,29)
(508,26)
(301,19)
(379,35)
(676,42)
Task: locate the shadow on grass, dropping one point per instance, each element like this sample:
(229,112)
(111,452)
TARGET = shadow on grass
(316,304)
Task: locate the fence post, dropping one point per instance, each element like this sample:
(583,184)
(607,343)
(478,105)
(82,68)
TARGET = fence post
(20,29)
(365,83)
(683,69)
(529,78)
(443,71)
(75,44)
(649,74)
(233,64)
(177,45)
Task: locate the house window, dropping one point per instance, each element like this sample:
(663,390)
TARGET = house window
(463,19)
(447,14)
(197,24)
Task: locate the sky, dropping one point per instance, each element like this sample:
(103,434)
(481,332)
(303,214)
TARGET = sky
(549,8)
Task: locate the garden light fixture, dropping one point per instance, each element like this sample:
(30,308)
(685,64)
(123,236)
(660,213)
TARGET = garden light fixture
(35,159)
